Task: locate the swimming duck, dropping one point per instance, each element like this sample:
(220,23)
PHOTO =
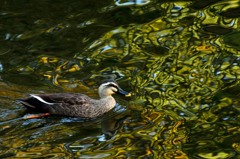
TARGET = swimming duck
(75,104)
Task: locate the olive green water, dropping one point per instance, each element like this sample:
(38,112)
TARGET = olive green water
(180,60)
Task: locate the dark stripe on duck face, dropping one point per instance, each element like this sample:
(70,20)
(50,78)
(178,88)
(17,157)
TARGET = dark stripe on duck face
(111,84)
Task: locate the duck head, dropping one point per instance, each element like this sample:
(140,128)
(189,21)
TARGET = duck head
(109,87)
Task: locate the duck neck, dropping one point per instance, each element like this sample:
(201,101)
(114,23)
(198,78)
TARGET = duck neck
(101,106)
(108,102)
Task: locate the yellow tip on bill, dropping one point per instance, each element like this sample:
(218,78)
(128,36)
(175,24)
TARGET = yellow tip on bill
(128,95)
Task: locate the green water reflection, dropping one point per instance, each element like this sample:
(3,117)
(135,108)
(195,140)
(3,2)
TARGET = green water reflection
(180,60)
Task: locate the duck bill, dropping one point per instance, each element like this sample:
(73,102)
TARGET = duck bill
(122,92)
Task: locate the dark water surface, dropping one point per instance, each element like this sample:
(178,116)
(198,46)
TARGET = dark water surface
(181,60)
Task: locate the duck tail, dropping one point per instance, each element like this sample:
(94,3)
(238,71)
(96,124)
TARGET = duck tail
(34,103)
(27,102)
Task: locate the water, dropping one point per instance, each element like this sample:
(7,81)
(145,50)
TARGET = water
(179,59)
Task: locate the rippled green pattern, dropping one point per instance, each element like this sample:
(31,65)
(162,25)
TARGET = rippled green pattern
(181,60)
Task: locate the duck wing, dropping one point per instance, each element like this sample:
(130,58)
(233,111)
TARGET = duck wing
(60,103)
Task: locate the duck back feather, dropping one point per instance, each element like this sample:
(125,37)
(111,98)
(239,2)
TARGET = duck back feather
(50,103)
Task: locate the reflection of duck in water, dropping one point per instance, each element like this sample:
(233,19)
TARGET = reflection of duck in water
(70,104)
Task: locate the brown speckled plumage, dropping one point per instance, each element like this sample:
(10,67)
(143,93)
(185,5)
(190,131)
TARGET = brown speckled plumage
(79,105)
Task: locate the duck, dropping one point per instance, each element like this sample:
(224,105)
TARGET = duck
(75,104)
